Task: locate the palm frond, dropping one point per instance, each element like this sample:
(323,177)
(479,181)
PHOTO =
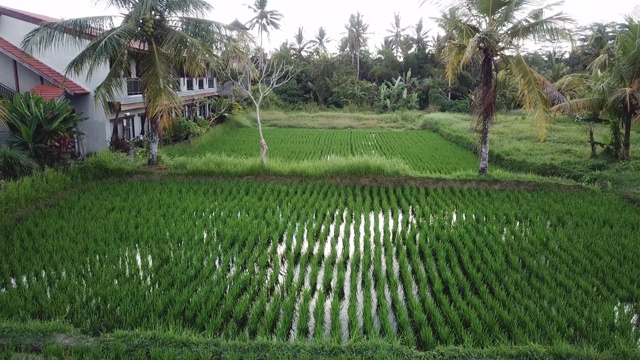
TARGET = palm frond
(184,50)
(64,34)
(158,83)
(538,27)
(103,49)
(191,8)
(531,89)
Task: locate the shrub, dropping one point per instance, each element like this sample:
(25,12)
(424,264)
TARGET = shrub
(184,129)
(35,122)
(118,144)
(15,164)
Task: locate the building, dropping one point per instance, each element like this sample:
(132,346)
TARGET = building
(44,75)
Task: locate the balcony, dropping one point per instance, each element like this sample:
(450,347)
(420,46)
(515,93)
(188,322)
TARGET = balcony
(6,92)
(184,86)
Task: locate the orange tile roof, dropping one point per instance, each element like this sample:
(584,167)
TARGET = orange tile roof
(26,16)
(48,92)
(39,67)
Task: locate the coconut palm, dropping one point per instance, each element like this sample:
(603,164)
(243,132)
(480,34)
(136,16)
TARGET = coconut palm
(160,36)
(300,45)
(419,37)
(264,19)
(320,41)
(613,81)
(355,39)
(490,32)
(396,33)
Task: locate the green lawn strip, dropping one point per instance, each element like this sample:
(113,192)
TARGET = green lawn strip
(45,340)
(563,153)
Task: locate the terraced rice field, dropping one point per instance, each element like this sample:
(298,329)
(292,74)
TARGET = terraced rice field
(242,260)
(423,151)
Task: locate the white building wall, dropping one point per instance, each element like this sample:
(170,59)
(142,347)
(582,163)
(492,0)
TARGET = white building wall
(7,77)
(97,127)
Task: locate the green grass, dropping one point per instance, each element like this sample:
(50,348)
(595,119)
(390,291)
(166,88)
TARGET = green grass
(421,152)
(338,120)
(564,152)
(53,340)
(491,268)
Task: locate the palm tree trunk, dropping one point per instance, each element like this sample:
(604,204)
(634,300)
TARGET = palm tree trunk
(154,139)
(358,64)
(487,111)
(626,143)
(263,143)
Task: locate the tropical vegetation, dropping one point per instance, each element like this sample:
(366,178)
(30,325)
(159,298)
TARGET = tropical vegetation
(160,36)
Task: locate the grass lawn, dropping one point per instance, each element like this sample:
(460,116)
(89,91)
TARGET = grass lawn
(564,152)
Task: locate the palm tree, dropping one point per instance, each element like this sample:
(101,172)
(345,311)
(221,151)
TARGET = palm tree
(355,39)
(489,33)
(397,33)
(264,19)
(320,41)
(160,36)
(300,45)
(614,82)
(419,37)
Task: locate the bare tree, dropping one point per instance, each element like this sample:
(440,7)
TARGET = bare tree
(256,80)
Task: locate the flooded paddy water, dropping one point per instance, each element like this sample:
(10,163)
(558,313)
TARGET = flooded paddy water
(424,267)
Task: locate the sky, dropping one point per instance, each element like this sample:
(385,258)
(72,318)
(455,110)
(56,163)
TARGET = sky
(331,14)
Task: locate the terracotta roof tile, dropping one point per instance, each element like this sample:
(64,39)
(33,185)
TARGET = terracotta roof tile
(48,91)
(26,16)
(39,67)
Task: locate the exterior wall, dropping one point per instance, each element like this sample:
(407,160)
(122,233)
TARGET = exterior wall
(98,127)
(27,78)
(7,77)
(95,128)
(4,136)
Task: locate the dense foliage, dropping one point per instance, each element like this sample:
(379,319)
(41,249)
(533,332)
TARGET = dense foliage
(38,125)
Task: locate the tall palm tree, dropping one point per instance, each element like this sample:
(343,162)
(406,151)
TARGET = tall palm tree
(396,33)
(355,39)
(160,36)
(320,41)
(490,32)
(419,37)
(300,45)
(613,81)
(264,19)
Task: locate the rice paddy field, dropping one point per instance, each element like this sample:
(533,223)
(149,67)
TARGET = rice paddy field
(309,262)
(423,151)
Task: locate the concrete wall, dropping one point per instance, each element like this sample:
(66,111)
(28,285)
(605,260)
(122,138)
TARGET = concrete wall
(4,136)
(6,72)
(97,127)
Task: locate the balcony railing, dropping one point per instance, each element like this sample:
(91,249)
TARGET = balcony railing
(6,92)
(134,86)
